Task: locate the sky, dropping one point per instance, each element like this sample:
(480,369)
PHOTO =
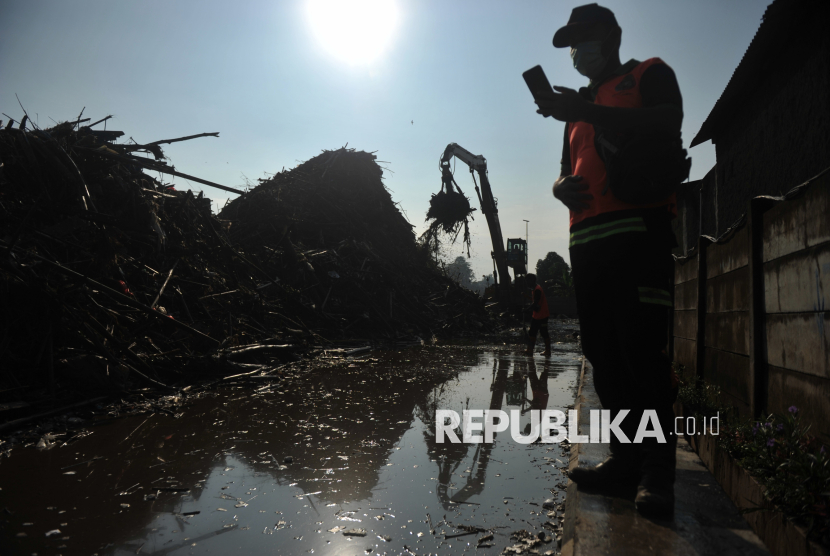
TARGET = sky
(285,79)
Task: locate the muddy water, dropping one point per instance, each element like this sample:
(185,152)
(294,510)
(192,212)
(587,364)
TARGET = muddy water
(289,466)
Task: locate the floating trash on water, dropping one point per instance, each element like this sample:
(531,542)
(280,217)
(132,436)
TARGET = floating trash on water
(221,510)
(346,515)
(337,528)
(53,532)
(69,473)
(45,442)
(125,505)
(355,532)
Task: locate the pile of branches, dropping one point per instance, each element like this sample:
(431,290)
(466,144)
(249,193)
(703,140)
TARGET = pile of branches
(331,232)
(111,278)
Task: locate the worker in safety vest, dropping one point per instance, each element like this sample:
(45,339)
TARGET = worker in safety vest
(539,318)
(620,250)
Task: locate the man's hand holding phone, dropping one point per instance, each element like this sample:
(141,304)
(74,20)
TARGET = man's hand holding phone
(566,105)
(570,190)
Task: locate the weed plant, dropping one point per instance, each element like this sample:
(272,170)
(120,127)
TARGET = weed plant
(792,464)
(780,452)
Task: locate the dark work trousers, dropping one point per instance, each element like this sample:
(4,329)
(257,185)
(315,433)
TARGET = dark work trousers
(624,302)
(537,326)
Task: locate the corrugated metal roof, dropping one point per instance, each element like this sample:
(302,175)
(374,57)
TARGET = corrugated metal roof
(781,19)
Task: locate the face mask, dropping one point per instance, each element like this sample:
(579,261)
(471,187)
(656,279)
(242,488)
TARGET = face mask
(588,59)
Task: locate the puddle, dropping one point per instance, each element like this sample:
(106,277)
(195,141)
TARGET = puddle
(341,461)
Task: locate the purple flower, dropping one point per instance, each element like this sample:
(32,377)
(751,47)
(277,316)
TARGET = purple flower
(793,409)
(767,425)
(780,427)
(771,442)
(755,429)
(822,450)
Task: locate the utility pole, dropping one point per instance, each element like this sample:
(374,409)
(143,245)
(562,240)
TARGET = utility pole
(527,245)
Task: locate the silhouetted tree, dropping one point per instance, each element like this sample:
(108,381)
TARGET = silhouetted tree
(555,274)
(461,271)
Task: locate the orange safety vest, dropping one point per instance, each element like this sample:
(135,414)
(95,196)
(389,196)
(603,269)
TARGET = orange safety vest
(622,91)
(543,304)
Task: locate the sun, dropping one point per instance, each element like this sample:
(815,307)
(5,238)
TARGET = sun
(353,31)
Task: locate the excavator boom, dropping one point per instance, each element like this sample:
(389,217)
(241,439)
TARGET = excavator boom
(478,164)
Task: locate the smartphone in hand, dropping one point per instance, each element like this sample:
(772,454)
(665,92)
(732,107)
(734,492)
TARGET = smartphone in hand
(537,81)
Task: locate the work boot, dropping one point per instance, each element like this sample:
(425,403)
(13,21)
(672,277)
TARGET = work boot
(655,493)
(620,469)
(546,353)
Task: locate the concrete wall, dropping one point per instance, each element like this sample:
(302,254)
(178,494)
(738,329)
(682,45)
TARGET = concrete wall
(766,324)
(726,326)
(796,267)
(696,212)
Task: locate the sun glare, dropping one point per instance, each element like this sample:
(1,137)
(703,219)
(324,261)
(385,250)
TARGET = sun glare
(354,31)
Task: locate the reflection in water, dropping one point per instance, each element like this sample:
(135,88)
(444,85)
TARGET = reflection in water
(509,390)
(362,441)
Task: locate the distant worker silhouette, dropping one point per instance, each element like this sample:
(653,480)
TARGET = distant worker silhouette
(539,318)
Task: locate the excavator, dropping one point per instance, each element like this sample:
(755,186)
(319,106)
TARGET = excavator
(516,254)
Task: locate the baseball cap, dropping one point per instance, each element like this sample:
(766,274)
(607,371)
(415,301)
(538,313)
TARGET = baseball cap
(581,17)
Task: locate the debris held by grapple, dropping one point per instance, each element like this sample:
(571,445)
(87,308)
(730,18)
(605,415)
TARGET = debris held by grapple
(450,211)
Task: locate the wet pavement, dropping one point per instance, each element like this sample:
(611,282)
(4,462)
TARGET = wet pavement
(339,460)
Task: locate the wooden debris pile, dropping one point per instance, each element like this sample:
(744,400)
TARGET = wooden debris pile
(108,276)
(329,230)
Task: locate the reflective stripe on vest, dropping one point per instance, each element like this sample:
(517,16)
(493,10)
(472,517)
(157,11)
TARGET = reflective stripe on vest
(655,296)
(620,91)
(633,224)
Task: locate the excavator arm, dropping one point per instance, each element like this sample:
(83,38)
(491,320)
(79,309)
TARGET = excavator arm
(478,164)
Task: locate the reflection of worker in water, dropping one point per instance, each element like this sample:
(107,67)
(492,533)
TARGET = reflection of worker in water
(539,387)
(539,319)
(516,388)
